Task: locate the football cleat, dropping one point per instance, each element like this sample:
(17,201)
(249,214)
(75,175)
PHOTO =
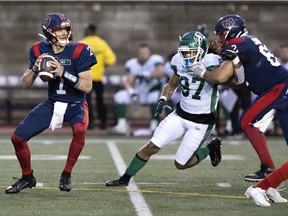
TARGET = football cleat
(214,147)
(65,184)
(257,196)
(21,184)
(120,130)
(259,175)
(116,182)
(275,196)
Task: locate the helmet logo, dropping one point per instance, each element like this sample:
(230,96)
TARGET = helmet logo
(228,23)
(46,22)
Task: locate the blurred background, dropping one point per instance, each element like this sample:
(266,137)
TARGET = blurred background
(124,25)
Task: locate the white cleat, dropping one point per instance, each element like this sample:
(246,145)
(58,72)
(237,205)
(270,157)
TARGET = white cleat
(124,130)
(275,196)
(257,196)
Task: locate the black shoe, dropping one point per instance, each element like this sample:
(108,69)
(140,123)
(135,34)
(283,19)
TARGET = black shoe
(259,175)
(214,147)
(116,182)
(65,184)
(20,184)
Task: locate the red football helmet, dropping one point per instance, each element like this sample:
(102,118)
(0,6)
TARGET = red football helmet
(53,22)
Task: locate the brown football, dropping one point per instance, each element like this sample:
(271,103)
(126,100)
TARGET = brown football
(45,69)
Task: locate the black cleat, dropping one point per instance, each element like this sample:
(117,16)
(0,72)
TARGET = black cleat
(116,182)
(214,147)
(65,184)
(21,184)
(259,175)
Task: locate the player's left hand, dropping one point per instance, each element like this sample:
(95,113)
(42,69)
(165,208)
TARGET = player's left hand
(229,52)
(162,104)
(59,70)
(197,69)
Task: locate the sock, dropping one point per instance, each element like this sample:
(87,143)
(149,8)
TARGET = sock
(136,164)
(275,178)
(202,153)
(76,146)
(30,176)
(259,143)
(120,110)
(23,154)
(66,174)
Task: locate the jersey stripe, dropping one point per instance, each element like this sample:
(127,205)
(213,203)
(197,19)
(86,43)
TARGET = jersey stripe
(78,50)
(258,106)
(236,40)
(36,49)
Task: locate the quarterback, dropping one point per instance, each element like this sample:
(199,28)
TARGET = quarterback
(66,97)
(195,114)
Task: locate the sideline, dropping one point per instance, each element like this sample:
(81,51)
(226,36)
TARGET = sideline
(137,199)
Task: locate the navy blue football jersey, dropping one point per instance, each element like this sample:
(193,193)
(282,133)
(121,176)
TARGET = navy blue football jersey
(262,69)
(75,58)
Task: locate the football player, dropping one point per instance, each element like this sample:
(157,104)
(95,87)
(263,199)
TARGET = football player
(257,67)
(66,97)
(195,114)
(142,85)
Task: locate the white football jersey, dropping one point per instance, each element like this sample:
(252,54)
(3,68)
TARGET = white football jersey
(198,96)
(143,84)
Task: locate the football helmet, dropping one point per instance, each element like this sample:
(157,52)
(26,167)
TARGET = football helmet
(229,27)
(193,46)
(54,22)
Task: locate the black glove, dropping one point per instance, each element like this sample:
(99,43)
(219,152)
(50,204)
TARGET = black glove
(229,52)
(162,103)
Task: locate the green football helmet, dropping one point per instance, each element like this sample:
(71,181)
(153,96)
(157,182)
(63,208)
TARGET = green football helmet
(193,46)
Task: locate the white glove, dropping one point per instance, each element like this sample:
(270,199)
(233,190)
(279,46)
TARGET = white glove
(197,69)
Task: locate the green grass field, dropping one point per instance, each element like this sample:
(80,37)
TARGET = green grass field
(160,188)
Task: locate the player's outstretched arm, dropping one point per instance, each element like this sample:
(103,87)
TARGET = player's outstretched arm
(222,74)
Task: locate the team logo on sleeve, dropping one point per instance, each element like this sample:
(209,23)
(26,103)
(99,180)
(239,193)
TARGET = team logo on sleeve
(65,61)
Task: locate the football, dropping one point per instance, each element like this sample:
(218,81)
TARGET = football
(45,68)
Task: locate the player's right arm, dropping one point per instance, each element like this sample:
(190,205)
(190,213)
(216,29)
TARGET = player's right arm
(171,86)
(28,78)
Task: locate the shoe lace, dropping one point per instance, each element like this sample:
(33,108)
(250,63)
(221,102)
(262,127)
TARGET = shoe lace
(276,194)
(17,182)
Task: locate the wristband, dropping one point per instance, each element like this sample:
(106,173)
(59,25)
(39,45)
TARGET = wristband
(71,79)
(240,75)
(162,97)
(236,60)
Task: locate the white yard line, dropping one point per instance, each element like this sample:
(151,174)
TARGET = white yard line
(136,198)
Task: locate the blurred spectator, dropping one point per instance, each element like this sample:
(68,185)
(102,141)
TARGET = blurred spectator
(142,86)
(283,55)
(105,57)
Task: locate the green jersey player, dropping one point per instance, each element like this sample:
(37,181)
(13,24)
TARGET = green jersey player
(195,114)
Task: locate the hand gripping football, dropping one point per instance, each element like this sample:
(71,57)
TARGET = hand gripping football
(45,68)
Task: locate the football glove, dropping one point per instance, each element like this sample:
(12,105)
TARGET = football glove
(162,104)
(133,94)
(229,52)
(198,69)
(135,97)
